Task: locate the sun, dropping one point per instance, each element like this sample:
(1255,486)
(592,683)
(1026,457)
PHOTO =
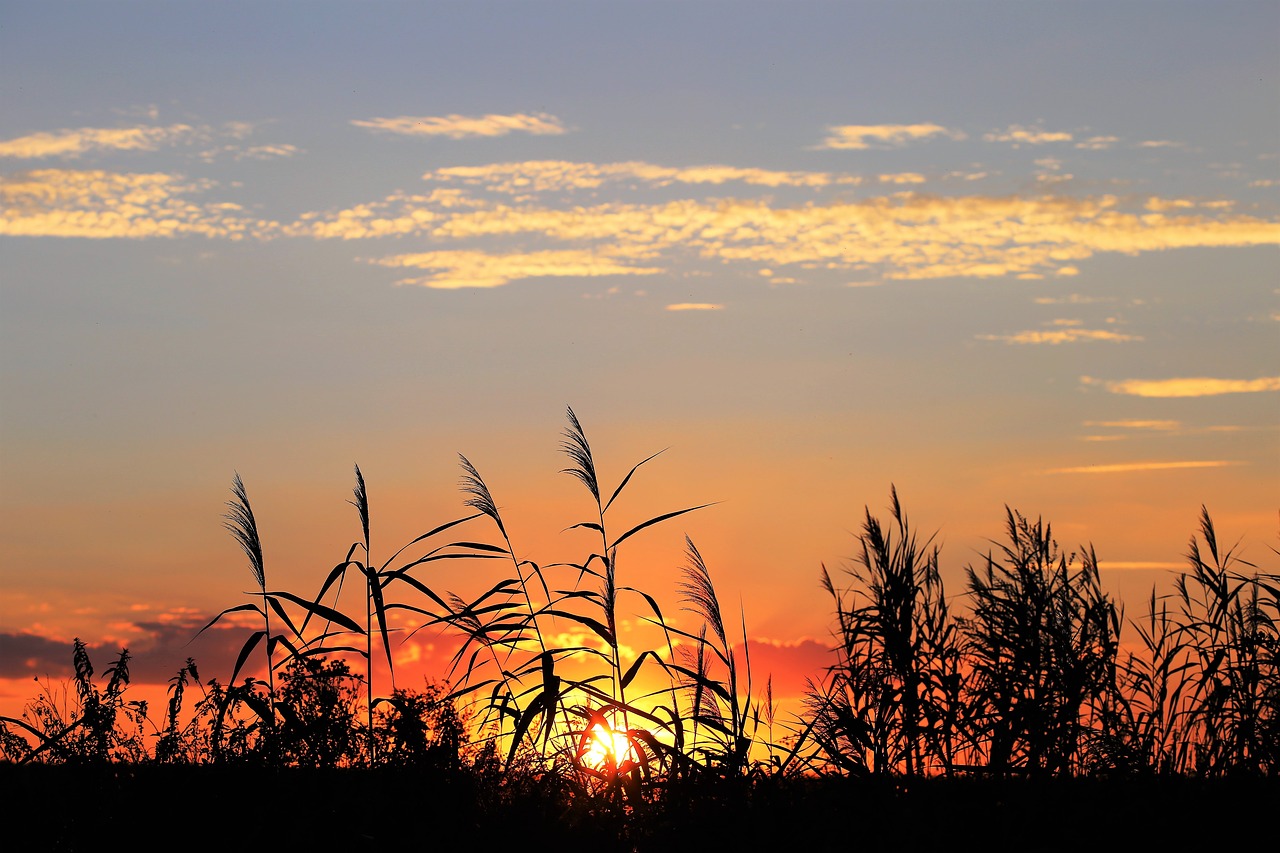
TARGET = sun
(604,748)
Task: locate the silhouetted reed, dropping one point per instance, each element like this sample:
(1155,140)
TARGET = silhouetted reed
(1029,678)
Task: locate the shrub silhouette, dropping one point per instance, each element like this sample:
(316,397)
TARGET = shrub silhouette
(1029,678)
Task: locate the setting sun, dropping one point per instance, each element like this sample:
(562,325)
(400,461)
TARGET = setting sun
(607,750)
(355,283)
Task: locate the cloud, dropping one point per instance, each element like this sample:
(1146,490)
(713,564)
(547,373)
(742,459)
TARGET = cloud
(909,236)
(1097,143)
(1059,336)
(1136,566)
(1162,426)
(1074,298)
(398,214)
(458,269)
(158,647)
(902,178)
(1132,467)
(540,176)
(1019,135)
(70,144)
(251,152)
(861,136)
(97,204)
(463,127)
(903,235)
(1197,386)
(695,306)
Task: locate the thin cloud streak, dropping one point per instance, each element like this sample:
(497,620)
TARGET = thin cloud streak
(1137,566)
(104,205)
(1161,426)
(858,137)
(460,269)
(1060,336)
(73,143)
(1133,467)
(1027,136)
(1196,386)
(695,306)
(462,127)
(537,176)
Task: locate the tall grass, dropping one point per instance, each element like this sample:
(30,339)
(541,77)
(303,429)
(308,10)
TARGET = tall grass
(544,716)
(1023,673)
(890,702)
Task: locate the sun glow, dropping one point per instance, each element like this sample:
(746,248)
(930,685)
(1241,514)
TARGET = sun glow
(606,749)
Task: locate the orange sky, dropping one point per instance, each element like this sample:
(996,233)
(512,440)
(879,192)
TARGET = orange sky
(991,254)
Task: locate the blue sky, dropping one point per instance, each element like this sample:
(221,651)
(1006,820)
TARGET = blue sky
(991,253)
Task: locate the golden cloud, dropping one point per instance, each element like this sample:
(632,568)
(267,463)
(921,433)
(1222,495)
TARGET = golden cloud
(538,176)
(1136,566)
(861,136)
(1027,136)
(1197,386)
(462,127)
(1059,336)
(902,178)
(458,269)
(1132,467)
(911,236)
(73,143)
(1163,426)
(903,235)
(695,306)
(1097,143)
(99,205)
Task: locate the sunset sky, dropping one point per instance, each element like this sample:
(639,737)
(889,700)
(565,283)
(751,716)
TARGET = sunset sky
(993,254)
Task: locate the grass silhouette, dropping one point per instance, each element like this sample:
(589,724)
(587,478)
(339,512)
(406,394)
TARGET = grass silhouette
(934,713)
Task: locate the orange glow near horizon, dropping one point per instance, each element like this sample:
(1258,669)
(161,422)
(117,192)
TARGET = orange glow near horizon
(607,751)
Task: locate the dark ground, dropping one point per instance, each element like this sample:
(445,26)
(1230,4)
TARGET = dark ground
(61,808)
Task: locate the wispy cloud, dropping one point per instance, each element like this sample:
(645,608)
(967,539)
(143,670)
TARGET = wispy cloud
(909,236)
(695,306)
(862,136)
(1162,426)
(1195,386)
(72,143)
(100,205)
(540,176)
(902,235)
(1060,332)
(458,269)
(1019,135)
(902,178)
(1136,566)
(1132,467)
(1097,143)
(250,152)
(1072,298)
(463,127)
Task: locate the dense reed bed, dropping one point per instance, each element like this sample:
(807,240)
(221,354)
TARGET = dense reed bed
(999,713)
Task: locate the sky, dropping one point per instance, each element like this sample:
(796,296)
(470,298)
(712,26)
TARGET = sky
(992,255)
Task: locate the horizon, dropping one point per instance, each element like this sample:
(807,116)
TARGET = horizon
(991,255)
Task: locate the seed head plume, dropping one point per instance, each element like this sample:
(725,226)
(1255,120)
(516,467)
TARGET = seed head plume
(244,528)
(479,497)
(584,467)
(361,503)
(698,591)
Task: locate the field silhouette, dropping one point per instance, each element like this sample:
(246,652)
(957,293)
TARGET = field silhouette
(1009,716)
